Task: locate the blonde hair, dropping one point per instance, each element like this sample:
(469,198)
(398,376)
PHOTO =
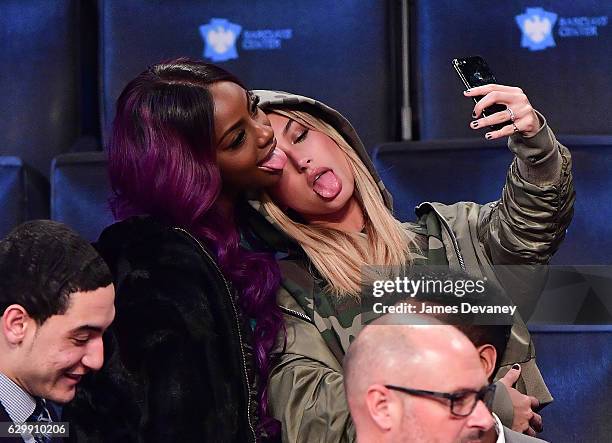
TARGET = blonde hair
(342,258)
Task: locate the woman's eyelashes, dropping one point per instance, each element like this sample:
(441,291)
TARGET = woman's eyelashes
(238,140)
(301,136)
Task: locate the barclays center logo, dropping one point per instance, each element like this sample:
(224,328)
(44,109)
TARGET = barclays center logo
(221,36)
(537,25)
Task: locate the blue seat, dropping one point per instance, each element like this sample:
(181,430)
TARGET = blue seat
(576,363)
(568,82)
(338,52)
(24,194)
(445,171)
(474,170)
(39,83)
(39,96)
(449,171)
(80,192)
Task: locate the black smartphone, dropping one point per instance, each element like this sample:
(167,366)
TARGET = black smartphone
(474,71)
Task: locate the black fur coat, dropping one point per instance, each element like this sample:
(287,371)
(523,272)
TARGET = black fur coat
(178,361)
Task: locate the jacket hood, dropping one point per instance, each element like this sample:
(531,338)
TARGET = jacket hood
(270,100)
(264,228)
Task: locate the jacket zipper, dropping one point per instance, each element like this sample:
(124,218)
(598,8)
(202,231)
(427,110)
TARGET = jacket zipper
(450,233)
(295,313)
(229,293)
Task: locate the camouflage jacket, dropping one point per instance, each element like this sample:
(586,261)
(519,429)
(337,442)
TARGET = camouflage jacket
(525,226)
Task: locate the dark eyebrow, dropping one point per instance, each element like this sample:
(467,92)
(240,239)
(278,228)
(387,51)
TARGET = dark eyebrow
(239,122)
(87,328)
(287,126)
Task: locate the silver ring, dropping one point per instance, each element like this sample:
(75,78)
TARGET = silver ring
(514,127)
(512,117)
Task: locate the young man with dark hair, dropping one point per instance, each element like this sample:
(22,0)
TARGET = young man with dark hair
(56,300)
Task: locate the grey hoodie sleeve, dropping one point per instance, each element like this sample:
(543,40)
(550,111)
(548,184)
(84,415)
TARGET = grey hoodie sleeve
(524,227)
(528,223)
(538,159)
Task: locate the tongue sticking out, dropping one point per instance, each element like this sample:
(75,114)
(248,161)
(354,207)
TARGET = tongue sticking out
(276,162)
(328,185)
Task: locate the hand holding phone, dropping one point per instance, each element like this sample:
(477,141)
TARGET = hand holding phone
(506,109)
(474,71)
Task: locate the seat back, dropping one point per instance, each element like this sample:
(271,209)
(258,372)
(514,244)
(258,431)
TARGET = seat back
(337,52)
(557,51)
(38,79)
(24,194)
(449,171)
(80,192)
(576,363)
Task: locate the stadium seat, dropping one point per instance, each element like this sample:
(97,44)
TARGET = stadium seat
(576,363)
(338,52)
(80,192)
(39,87)
(449,171)
(474,170)
(556,51)
(24,194)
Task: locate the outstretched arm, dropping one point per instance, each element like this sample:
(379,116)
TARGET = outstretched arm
(534,145)
(528,223)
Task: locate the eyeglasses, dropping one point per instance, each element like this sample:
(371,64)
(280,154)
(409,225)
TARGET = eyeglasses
(462,403)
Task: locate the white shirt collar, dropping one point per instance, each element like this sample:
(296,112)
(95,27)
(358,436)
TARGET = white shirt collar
(499,428)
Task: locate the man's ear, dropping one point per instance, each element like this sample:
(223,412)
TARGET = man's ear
(379,406)
(15,324)
(488,357)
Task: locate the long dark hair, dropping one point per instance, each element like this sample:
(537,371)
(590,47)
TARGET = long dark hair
(162,162)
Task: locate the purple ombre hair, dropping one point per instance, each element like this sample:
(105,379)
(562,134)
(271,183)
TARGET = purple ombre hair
(162,162)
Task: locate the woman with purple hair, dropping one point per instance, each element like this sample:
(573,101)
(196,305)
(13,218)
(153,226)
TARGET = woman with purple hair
(196,314)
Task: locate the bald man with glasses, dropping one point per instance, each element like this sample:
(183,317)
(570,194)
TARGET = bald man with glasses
(419,381)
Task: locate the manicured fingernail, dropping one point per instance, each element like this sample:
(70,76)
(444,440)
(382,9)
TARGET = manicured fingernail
(467,91)
(516,366)
(488,136)
(474,114)
(474,124)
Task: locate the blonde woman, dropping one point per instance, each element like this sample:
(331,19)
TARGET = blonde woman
(330,215)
